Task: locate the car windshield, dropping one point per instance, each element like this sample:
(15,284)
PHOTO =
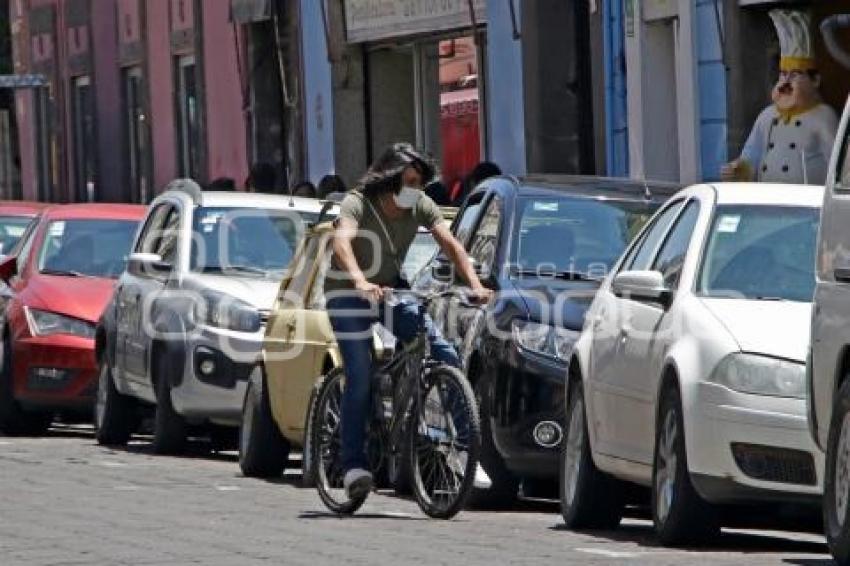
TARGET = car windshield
(86,248)
(246,241)
(12,229)
(422,249)
(761,252)
(565,235)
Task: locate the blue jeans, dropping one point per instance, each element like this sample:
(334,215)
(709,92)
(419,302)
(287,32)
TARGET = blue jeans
(352,318)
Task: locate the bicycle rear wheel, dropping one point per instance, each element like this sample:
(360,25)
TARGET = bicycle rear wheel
(326,446)
(445,436)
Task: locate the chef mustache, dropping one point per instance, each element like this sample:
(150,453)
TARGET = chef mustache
(785,87)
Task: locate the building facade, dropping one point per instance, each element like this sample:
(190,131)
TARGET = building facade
(141,91)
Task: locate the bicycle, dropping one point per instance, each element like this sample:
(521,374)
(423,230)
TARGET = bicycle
(422,410)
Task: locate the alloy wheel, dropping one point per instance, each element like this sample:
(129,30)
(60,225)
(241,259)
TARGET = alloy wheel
(573,451)
(842,471)
(665,480)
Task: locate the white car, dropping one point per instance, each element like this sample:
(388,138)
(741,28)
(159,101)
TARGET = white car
(184,331)
(689,375)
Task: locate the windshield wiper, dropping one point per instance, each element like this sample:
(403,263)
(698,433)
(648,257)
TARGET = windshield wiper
(564,274)
(64,273)
(766,298)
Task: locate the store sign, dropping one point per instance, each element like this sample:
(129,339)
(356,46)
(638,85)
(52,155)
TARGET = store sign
(373,20)
(22,81)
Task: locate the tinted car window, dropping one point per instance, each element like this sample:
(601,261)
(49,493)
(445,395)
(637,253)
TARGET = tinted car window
(96,248)
(645,250)
(671,258)
(565,234)
(761,252)
(12,229)
(482,247)
(245,240)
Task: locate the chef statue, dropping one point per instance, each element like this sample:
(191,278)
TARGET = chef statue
(791,140)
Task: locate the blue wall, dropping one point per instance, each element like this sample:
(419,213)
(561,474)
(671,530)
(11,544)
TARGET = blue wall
(505,99)
(616,107)
(712,90)
(318,94)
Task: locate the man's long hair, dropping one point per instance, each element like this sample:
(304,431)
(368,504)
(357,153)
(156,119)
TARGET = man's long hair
(385,174)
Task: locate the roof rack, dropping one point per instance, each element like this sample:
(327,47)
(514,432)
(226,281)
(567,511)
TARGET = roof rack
(188,187)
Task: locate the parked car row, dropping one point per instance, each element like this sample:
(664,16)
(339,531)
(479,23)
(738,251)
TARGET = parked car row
(643,338)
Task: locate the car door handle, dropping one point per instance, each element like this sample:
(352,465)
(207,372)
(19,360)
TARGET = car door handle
(842,274)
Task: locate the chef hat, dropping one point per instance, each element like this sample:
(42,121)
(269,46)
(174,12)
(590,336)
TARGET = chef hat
(795,39)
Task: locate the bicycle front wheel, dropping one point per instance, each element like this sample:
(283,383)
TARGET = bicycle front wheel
(445,436)
(326,445)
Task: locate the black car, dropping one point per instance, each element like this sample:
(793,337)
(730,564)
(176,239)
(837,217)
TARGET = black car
(543,244)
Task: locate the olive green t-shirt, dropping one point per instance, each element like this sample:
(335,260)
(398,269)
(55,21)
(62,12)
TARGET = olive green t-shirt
(380,259)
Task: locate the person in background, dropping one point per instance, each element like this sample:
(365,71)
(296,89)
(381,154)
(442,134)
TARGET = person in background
(331,187)
(261,179)
(304,189)
(222,184)
(438,193)
(484,170)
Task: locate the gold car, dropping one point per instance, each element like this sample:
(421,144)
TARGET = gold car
(299,349)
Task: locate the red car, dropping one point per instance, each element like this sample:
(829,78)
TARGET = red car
(15,218)
(58,283)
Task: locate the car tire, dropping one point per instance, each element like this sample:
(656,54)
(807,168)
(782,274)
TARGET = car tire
(170,431)
(836,497)
(115,415)
(590,499)
(505,485)
(680,515)
(263,451)
(14,421)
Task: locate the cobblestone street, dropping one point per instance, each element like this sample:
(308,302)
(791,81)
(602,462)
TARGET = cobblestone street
(64,501)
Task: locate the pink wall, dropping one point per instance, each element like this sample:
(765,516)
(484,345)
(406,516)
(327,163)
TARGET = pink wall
(226,129)
(161,93)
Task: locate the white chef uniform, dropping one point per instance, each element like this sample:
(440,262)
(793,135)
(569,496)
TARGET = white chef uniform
(777,149)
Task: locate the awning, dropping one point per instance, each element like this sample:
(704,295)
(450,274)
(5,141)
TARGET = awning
(373,20)
(250,11)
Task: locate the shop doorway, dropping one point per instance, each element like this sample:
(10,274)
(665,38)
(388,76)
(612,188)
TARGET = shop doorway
(430,93)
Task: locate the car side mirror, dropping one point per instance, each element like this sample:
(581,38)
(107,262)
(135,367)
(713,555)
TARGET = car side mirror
(646,286)
(8,268)
(147,264)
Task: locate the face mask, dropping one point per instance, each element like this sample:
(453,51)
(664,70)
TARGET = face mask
(407,197)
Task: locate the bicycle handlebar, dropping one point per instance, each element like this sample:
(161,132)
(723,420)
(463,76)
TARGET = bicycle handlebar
(393,296)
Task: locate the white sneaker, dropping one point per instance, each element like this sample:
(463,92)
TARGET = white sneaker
(482,480)
(357,483)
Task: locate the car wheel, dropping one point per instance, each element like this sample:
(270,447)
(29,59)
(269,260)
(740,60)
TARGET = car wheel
(263,451)
(13,419)
(836,498)
(590,499)
(505,485)
(169,435)
(115,415)
(680,515)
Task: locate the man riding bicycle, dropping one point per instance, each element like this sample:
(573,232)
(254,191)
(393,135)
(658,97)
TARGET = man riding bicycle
(376,225)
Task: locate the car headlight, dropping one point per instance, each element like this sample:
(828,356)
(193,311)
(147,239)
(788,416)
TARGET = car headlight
(46,323)
(223,311)
(761,375)
(551,341)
